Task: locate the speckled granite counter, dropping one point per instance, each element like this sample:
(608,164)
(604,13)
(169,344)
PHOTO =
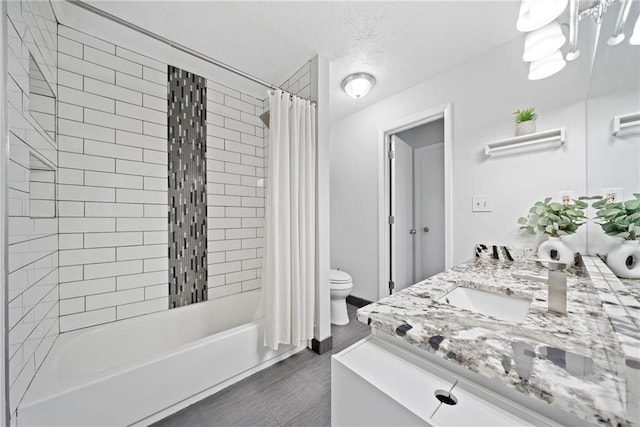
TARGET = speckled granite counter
(574,362)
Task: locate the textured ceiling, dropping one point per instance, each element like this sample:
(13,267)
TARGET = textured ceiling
(400,43)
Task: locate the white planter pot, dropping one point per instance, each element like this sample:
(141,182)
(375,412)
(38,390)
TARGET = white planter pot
(557,250)
(624,260)
(524,128)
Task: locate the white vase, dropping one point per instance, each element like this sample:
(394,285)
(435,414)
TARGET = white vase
(624,260)
(524,128)
(557,250)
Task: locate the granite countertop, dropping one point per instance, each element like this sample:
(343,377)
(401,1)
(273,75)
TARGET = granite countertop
(573,362)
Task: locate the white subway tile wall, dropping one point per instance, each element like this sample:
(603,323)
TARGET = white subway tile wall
(107,194)
(113,184)
(33,227)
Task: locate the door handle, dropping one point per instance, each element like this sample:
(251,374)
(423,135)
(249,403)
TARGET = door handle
(412,231)
(426,229)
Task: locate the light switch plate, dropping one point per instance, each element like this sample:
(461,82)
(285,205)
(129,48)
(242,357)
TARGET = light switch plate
(481,204)
(615,193)
(566,196)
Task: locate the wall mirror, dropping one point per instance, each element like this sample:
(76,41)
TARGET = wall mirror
(613,162)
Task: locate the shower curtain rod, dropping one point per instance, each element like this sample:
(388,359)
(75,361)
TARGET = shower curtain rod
(171,43)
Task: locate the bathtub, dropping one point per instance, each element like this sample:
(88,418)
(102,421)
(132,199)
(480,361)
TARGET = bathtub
(139,370)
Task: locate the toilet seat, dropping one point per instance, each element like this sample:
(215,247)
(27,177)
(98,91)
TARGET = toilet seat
(341,286)
(337,276)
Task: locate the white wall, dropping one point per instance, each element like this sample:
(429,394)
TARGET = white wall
(484,92)
(33,241)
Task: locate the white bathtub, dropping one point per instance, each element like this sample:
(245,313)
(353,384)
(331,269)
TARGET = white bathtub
(142,369)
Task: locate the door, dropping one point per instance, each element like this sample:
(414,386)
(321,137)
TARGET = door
(401,227)
(429,211)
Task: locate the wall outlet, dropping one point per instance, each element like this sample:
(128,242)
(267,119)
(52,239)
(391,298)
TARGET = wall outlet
(565,197)
(614,193)
(481,204)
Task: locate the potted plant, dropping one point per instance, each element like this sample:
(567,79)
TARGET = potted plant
(525,121)
(621,219)
(555,220)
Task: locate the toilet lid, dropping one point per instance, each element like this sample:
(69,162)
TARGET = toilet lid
(337,276)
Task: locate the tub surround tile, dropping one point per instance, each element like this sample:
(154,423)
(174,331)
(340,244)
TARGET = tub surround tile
(573,362)
(33,245)
(187,172)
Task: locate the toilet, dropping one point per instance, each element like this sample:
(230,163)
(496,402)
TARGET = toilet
(340,285)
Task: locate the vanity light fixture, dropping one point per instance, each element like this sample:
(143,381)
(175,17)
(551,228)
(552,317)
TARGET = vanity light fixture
(358,85)
(544,38)
(618,32)
(536,14)
(543,41)
(547,66)
(635,36)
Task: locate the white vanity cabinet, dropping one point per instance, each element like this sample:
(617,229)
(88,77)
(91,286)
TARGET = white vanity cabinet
(374,383)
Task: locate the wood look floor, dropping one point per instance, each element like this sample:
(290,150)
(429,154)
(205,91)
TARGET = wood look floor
(293,392)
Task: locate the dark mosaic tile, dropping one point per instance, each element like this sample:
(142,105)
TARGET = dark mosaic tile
(187,177)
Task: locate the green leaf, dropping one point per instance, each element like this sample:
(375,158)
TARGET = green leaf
(522,220)
(580,204)
(611,212)
(555,206)
(547,200)
(632,205)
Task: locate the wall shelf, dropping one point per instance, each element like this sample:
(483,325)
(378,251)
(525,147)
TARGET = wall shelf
(526,141)
(626,124)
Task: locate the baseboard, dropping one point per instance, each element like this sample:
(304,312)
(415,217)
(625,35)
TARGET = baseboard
(357,301)
(322,346)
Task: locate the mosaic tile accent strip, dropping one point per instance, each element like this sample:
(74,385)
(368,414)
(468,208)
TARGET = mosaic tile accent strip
(187,173)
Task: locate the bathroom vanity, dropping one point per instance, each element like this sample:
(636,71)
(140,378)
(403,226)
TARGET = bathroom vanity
(476,345)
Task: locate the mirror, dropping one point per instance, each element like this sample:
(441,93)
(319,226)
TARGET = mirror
(613,162)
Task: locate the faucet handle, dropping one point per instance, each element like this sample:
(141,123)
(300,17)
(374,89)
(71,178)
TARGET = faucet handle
(553,264)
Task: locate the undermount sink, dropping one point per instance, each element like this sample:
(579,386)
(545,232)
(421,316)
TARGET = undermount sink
(488,303)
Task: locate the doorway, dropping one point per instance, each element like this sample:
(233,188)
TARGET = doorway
(415,224)
(416,204)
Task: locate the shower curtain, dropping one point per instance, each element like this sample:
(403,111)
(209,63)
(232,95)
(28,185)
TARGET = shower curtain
(288,275)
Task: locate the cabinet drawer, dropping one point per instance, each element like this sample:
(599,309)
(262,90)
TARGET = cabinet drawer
(375,383)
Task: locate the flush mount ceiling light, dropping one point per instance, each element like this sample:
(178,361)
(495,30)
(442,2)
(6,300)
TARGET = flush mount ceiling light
(358,85)
(544,38)
(543,41)
(547,66)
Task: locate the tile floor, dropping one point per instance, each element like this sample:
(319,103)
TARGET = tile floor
(293,392)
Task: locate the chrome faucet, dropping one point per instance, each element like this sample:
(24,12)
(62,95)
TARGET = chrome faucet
(556,282)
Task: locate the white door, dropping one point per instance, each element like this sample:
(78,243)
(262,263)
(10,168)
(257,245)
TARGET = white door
(402,230)
(429,210)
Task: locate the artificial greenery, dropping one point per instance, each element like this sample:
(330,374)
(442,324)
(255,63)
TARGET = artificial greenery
(554,219)
(620,219)
(525,115)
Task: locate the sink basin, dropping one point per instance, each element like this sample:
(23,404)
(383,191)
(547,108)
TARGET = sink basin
(489,303)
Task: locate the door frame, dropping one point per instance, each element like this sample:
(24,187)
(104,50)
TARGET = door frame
(445,112)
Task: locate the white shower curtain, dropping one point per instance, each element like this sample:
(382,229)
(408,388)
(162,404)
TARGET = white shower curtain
(288,274)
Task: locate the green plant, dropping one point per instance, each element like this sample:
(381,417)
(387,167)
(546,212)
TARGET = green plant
(620,219)
(554,219)
(525,115)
